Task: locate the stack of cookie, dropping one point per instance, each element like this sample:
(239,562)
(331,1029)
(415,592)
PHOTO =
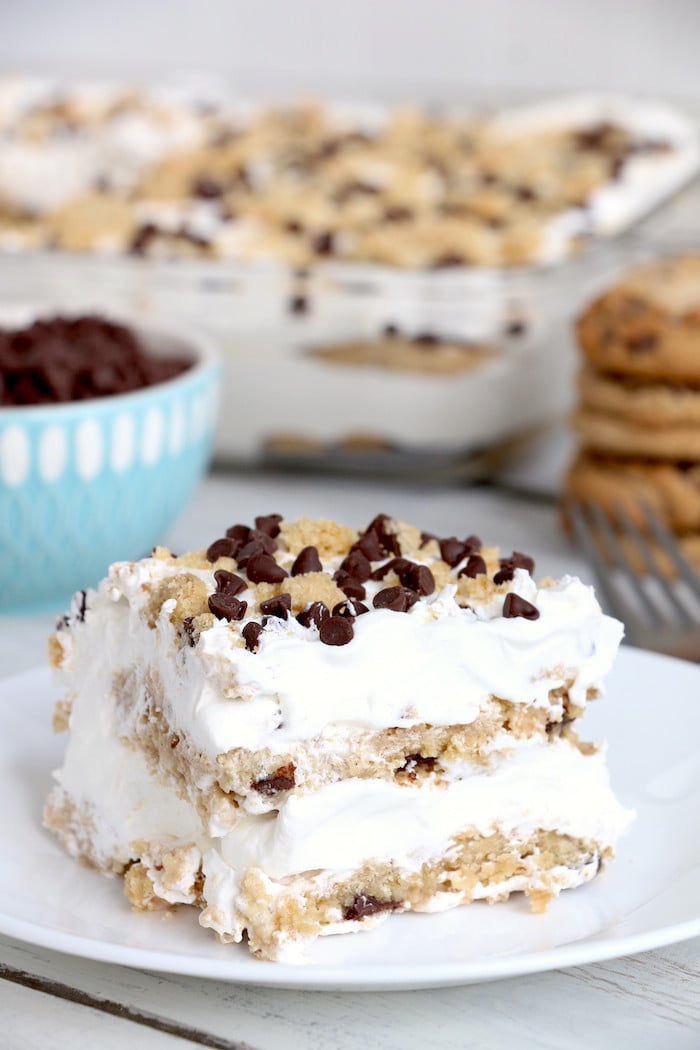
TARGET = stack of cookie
(639,398)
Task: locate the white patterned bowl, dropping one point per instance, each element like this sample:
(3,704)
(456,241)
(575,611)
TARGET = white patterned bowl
(86,483)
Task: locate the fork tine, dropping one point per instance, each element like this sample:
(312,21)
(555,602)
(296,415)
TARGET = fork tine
(641,545)
(669,544)
(624,564)
(583,534)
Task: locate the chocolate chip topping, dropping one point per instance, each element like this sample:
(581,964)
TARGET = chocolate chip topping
(307,560)
(316,613)
(269,524)
(349,609)
(522,561)
(349,585)
(336,630)
(71,359)
(476,566)
(517,560)
(227,606)
(298,304)
(324,243)
(397,599)
(228,582)
(239,532)
(251,633)
(207,188)
(357,565)
(397,565)
(418,578)
(262,568)
(281,606)
(258,543)
(223,548)
(369,545)
(363,904)
(388,541)
(453,550)
(514,606)
(188,630)
(283,779)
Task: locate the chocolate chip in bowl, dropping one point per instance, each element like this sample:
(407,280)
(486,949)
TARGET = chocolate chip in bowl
(105,428)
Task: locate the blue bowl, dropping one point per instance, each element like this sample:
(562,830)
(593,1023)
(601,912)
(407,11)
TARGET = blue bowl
(86,483)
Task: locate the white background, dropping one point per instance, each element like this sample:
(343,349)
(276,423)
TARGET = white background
(423,48)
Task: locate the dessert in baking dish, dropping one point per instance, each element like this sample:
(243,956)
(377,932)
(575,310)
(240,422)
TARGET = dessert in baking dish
(307,727)
(118,170)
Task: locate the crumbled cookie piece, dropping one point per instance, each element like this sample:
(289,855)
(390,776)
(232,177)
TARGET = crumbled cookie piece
(190,594)
(329,537)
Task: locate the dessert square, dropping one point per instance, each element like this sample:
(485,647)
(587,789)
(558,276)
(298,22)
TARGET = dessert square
(308,727)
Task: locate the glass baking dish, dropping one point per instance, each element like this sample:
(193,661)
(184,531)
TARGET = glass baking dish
(349,365)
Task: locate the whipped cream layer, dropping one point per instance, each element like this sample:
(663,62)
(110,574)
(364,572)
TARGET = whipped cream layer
(549,786)
(437,664)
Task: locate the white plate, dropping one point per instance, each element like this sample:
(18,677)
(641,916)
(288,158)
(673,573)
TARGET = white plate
(650,896)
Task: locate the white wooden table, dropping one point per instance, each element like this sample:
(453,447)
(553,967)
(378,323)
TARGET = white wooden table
(647,1002)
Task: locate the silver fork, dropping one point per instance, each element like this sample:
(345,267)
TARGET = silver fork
(658,613)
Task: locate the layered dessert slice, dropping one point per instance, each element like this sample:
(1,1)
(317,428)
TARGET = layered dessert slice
(307,727)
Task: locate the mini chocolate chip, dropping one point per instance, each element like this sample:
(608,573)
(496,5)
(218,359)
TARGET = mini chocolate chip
(514,606)
(522,561)
(369,545)
(474,543)
(307,560)
(397,565)
(526,193)
(412,762)
(188,629)
(283,779)
(388,541)
(639,344)
(516,328)
(350,587)
(357,564)
(398,214)
(298,304)
(504,575)
(336,631)
(227,606)
(239,532)
(426,339)
(476,566)
(349,609)
(397,599)
(259,543)
(426,537)
(452,550)
(281,606)
(316,613)
(391,331)
(207,188)
(142,238)
(418,578)
(293,226)
(223,548)
(448,260)
(269,524)
(262,568)
(323,243)
(228,582)
(251,632)
(363,904)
